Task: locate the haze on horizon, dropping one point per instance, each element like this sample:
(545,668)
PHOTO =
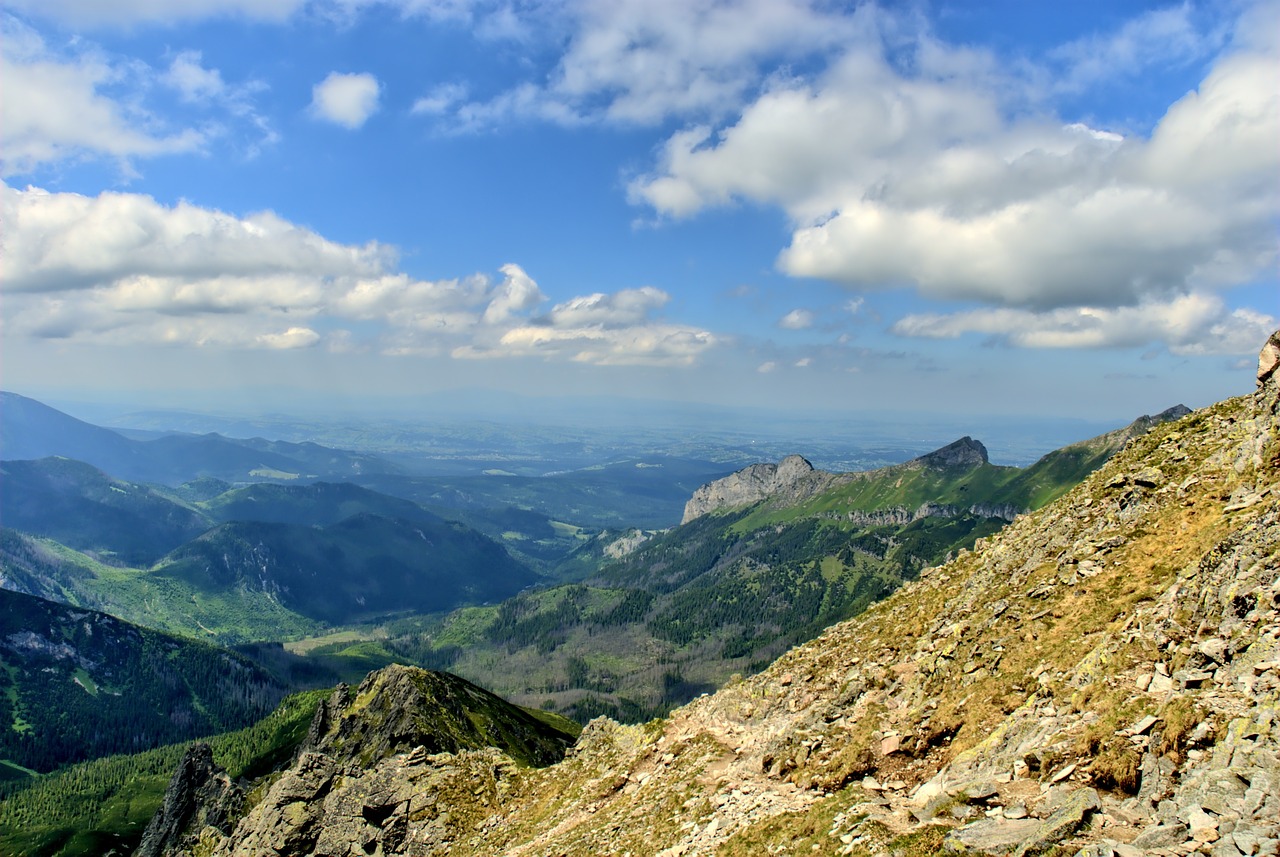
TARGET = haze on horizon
(997,208)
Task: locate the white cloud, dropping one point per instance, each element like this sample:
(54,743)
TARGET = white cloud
(644,61)
(797,319)
(57,108)
(294,337)
(517,294)
(766,367)
(440,99)
(1193,324)
(629,306)
(1169,36)
(122,269)
(192,80)
(940,179)
(346,99)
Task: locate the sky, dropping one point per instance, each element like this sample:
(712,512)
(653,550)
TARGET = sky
(938,207)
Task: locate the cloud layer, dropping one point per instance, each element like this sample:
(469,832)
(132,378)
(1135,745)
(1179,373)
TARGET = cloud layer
(122,269)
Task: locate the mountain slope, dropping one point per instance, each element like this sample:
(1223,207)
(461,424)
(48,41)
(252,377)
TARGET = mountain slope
(788,551)
(318,504)
(78,684)
(82,507)
(361,566)
(1102,674)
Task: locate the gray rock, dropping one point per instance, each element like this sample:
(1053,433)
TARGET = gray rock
(1065,820)
(991,835)
(199,795)
(1161,836)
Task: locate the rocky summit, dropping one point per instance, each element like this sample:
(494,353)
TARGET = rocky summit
(1100,678)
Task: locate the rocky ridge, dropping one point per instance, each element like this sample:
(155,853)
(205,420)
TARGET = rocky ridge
(794,479)
(1100,678)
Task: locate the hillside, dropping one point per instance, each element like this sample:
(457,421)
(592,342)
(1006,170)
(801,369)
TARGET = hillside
(286,560)
(77,684)
(361,566)
(74,503)
(776,554)
(1104,674)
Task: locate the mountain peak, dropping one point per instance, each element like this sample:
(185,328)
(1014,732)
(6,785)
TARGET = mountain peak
(963,453)
(749,485)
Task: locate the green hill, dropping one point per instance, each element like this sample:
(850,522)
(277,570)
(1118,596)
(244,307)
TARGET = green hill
(77,504)
(78,684)
(317,504)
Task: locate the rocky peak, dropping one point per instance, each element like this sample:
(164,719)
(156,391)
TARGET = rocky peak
(398,708)
(962,454)
(750,485)
(200,795)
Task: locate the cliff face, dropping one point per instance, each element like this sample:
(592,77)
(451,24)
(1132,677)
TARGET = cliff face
(1102,677)
(754,483)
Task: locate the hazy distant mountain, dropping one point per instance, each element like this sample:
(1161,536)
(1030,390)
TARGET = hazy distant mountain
(317,504)
(29,429)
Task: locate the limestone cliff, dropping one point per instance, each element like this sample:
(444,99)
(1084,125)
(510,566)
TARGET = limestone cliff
(754,483)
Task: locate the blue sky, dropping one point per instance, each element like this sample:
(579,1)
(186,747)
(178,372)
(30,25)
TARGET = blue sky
(995,208)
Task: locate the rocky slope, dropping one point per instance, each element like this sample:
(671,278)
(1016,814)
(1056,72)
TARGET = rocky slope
(1102,677)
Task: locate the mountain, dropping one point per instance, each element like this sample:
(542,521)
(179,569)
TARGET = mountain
(361,566)
(74,503)
(286,560)
(29,430)
(773,555)
(1101,677)
(949,478)
(318,504)
(78,684)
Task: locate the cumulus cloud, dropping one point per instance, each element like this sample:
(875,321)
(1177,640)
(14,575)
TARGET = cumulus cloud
(123,269)
(58,107)
(797,319)
(640,62)
(934,175)
(440,99)
(346,99)
(192,80)
(1193,324)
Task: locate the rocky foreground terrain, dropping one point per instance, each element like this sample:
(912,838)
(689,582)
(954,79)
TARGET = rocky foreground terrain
(1102,677)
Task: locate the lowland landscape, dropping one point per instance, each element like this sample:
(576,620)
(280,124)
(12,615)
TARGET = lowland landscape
(215,645)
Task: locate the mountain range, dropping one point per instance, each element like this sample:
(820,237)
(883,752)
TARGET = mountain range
(1101,677)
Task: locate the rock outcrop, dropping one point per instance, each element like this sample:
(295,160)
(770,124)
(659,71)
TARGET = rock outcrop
(356,777)
(794,479)
(201,801)
(1100,678)
(754,483)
